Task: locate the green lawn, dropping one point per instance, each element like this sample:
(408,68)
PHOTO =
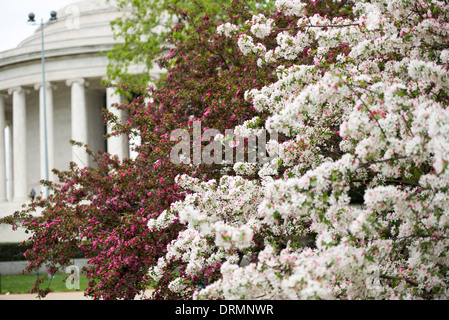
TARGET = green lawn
(23,283)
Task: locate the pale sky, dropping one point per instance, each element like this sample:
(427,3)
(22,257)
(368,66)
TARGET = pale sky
(14,26)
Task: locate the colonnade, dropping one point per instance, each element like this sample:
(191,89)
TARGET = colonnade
(17,169)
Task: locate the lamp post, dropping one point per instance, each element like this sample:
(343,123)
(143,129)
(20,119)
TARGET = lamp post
(31,20)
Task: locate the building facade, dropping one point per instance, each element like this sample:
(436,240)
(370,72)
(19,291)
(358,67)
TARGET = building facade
(75,66)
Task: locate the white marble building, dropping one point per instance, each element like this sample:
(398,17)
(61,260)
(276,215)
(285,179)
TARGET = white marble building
(74,69)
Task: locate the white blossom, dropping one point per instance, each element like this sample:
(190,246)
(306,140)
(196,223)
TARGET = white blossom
(227,29)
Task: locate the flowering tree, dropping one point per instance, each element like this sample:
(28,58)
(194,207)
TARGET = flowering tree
(351,205)
(143,30)
(354,204)
(105,210)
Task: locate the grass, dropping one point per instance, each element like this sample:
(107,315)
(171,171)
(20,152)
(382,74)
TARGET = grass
(23,283)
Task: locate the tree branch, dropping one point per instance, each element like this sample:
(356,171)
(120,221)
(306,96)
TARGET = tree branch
(384,276)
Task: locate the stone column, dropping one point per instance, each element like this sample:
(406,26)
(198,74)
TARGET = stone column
(2,149)
(46,131)
(117,145)
(20,170)
(10,166)
(79,121)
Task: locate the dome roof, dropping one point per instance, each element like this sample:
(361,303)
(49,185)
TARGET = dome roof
(82,23)
(72,44)
(87,7)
